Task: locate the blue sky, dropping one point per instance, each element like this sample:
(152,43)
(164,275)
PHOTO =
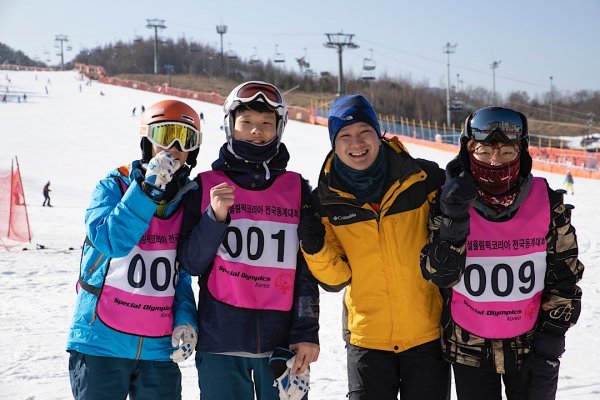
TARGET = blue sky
(533,39)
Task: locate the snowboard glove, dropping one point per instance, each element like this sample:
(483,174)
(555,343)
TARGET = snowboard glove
(311,233)
(540,369)
(159,172)
(456,199)
(291,386)
(541,376)
(185,333)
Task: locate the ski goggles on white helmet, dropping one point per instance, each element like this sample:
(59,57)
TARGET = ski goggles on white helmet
(165,134)
(496,123)
(253,91)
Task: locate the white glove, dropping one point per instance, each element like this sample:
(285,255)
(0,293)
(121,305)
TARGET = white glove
(185,333)
(293,386)
(160,170)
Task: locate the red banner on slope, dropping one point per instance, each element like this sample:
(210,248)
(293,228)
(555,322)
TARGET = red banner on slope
(14,222)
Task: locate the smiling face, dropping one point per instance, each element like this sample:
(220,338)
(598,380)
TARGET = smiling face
(255,127)
(357,145)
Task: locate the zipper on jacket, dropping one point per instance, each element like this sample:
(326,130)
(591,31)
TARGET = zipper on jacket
(93,318)
(139,350)
(95,265)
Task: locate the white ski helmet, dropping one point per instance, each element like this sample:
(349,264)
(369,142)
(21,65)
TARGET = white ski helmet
(251,92)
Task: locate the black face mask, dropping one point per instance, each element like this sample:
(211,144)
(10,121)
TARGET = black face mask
(254,152)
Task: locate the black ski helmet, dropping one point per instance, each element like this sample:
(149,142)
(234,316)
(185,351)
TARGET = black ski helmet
(502,124)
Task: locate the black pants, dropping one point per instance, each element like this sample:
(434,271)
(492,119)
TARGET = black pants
(418,373)
(46,200)
(474,383)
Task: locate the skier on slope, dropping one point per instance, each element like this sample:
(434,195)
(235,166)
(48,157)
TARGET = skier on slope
(135,304)
(46,192)
(504,251)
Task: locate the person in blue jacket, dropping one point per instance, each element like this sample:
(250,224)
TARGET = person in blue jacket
(239,236)
(135,316)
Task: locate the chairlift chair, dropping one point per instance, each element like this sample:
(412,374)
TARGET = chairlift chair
(230,53)
(278,57)
(368,75)
(457,105)
(369,63)
(254,58)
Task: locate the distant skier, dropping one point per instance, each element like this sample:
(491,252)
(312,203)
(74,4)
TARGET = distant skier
(143,108)
(133,111)
(202,116)
(569,181)
(46,192)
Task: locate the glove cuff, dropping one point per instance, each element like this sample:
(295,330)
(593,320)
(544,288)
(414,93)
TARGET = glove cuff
(312,247)
(549,346)
(455,231)
(154,193)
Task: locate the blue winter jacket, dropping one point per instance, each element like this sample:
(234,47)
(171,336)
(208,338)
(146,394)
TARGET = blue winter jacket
(226,328)
(115,222)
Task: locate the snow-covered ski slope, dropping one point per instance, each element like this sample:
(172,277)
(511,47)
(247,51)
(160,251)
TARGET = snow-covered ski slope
(74,138)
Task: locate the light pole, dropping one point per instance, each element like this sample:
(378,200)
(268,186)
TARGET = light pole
(551,98)
(493,66)
(339,41)
(155,24)
(448,49)
(221,30)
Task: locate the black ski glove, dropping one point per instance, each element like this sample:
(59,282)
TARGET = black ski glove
(456,199)
(311,233)
(540,369)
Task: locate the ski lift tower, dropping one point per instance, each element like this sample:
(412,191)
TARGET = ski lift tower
(221,30)
(340,41)
(61,39)
(155,24)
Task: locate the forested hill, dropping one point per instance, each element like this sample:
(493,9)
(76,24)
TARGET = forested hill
(16,57)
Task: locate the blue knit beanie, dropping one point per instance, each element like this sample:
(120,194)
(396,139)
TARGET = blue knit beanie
(348,110)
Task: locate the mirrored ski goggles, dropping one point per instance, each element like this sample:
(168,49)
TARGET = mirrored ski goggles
(253,90)
(167,133)
(497,123)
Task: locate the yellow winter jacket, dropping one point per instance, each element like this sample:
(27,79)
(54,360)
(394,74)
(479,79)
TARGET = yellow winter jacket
(388,304)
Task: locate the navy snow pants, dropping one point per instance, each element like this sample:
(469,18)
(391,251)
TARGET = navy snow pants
(100,378)
(223,376)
